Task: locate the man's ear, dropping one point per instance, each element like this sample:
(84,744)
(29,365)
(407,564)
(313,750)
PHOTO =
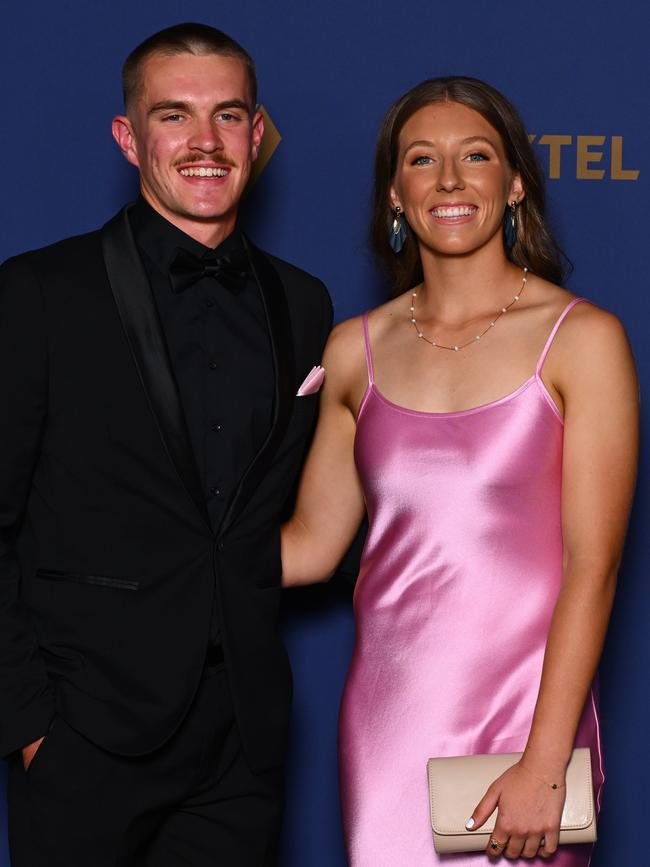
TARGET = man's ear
(257,132)
(124,135)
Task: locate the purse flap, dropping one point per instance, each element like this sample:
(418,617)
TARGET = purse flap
(457,784)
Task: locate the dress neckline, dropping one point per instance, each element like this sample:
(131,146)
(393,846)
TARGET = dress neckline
(372,388)
(534,378)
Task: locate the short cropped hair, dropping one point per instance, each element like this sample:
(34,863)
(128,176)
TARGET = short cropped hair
(198,39)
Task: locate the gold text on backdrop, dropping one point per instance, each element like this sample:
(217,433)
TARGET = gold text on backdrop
(589,150)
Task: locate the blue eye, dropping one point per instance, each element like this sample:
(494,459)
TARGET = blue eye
(476,157)
(421,161)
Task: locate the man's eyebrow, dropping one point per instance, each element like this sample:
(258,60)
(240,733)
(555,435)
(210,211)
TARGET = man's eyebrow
(168,105)
(180,105)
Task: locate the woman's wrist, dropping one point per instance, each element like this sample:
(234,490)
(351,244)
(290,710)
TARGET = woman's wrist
(549,766)
(553,781)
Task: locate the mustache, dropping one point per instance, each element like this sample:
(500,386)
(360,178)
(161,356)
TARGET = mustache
(221,159)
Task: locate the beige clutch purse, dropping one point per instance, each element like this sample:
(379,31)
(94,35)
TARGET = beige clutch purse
(458,783)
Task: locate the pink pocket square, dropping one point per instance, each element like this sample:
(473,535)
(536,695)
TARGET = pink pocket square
(313,381)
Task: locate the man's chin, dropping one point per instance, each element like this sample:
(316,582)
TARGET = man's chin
(207,212)
(204,214)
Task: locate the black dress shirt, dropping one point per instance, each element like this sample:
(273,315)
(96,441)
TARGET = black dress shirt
(220,352)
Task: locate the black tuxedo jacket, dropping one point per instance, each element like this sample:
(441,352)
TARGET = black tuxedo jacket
(108,562)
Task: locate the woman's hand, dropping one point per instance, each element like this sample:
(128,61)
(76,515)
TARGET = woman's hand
(528,821)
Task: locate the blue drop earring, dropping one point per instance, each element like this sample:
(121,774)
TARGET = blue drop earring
(510,226)
(397,231)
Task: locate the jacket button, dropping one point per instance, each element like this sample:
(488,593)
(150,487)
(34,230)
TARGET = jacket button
(220,546)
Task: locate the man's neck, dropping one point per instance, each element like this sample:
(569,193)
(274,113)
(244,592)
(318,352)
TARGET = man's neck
(210,233)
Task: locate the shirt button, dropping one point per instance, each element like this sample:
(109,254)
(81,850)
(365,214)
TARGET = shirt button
(209,303)
(216,427)
(220,546)
(214,490)
(212,365)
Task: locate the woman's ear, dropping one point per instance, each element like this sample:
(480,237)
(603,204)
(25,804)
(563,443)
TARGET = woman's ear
(394,198)
(517,191)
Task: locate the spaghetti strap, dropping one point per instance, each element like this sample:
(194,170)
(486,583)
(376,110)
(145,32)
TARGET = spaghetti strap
(366,338)
(551,336)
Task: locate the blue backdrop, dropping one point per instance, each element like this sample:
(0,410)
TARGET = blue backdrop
(578,71)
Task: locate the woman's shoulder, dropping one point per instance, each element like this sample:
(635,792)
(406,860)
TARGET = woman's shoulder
(344,358)
(589,339)
(347,355)
(348,336)
(581,318)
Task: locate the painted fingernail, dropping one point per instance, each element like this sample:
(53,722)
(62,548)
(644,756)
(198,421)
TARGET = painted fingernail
(469,824)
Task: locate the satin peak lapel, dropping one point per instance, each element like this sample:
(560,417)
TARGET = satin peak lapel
(282,349)
(139,316)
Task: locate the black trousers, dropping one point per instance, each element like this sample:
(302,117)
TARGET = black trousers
(194,802)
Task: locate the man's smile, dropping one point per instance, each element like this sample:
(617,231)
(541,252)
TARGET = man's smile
(204,172)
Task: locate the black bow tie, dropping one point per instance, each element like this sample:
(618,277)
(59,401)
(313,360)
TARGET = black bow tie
(231,270)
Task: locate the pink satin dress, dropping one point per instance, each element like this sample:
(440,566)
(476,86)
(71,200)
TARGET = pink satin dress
(459,578)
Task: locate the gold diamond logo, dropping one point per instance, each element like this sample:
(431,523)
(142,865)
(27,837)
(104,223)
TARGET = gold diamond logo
(270,141)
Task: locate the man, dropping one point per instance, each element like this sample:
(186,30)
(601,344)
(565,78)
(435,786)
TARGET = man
(150,437)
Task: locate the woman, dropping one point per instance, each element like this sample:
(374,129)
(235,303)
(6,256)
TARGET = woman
(487,418)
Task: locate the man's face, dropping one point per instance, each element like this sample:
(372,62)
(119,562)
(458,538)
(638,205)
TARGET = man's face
(192,135)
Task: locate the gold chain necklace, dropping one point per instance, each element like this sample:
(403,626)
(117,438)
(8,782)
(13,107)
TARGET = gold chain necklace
(477,337)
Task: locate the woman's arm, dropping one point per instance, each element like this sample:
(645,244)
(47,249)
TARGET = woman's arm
(591,367)
(330,505)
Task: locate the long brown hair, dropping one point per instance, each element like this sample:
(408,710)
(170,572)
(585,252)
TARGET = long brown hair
(535,246)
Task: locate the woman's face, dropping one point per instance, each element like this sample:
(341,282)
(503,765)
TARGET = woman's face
(453,180)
